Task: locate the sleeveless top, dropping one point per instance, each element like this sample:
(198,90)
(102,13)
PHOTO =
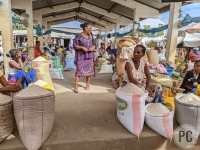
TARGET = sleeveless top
(13,71)
(138,74)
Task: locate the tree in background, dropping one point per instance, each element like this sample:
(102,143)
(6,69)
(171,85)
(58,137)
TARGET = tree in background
(17,26)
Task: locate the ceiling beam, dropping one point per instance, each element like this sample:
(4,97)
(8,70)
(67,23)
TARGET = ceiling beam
(100,18)
(112,7)
(49,3)
(16,11)
(164,9)
(167,8)
(145,4)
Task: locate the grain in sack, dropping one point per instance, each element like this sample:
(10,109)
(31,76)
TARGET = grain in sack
(41,66)
(188,110)
(131,109)
(160,119)
(6,117)
(34,109)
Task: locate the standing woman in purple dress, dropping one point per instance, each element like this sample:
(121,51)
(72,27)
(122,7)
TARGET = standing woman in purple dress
(84,46)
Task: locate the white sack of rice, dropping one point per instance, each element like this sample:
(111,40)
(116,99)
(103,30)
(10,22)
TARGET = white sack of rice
(190,99)
(34,109)
(131,88)
(6,117)
(157,109)
(33,90)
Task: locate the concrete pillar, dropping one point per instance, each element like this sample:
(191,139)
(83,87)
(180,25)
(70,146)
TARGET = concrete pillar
(61,42)
(6,31)
(135,26)
(30,34)
(117,27)
(40,37)
(18,40)
(49,35)
(100,31)
(173,30)
(106,39)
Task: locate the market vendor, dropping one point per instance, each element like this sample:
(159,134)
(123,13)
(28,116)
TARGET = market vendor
(46,52)
(6,86)
(37,50)
(192,78)
(135,70)
(17,75)
(161,56)
(189,66)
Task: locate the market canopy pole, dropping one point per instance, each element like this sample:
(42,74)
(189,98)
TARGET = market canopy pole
(28,6)
(135,26)
(172,34)
(6,31)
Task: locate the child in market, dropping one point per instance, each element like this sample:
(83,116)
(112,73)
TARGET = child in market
(192,78)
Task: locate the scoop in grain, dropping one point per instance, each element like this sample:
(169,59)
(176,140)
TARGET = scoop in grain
(157,109)
(131,88)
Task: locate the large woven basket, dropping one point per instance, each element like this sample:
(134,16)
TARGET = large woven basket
(125,42)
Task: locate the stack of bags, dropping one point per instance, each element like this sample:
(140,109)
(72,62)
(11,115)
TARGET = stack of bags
(132,112)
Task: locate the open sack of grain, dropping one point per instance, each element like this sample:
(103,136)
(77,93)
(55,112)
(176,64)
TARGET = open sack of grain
(6,117)
(41,66)
(34,109)
(160,119)
(188,110)
(131,107)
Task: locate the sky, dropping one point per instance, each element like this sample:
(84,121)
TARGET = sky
(191,9)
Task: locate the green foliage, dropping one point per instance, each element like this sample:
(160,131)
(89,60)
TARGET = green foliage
(148,27)
(17,26)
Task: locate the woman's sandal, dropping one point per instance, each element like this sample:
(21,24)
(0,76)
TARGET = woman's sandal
(75,90)
(87,88)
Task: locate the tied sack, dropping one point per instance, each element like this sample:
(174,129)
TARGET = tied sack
(105,68)
(34,109)
(56,73)
(188,112)
(41,66)
(160,123)
(131,111)
(6,117)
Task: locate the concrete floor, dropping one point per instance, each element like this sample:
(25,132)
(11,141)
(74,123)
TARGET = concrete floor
(88,121)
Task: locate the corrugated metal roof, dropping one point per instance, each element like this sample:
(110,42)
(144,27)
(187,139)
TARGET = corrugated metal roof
(107,5)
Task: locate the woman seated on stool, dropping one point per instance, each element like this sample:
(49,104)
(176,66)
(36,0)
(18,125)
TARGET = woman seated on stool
(192,78)
(6,86)
(136,68)
(17,75)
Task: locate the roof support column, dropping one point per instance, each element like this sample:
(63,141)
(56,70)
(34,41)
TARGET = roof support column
(107,30)
(136,19)
(6,31)
(46,36)
(30,34)
(172,34)
(117,27)
(39,19)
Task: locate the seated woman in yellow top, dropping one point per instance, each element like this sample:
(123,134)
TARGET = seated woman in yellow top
(6,86)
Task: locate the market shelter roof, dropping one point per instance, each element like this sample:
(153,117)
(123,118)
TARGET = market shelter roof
(110,6)
(194,29)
